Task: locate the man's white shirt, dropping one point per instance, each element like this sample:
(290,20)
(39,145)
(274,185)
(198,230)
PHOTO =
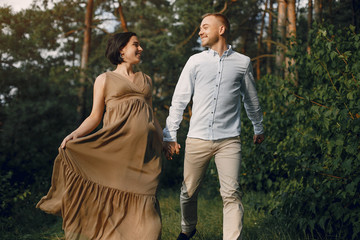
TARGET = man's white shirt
(217,86)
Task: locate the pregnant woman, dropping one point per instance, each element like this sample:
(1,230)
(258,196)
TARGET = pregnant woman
(104,184)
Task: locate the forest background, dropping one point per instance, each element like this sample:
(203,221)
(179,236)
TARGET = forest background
(305,57)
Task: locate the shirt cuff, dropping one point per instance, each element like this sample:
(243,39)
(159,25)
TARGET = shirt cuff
(258,129)
(169,136)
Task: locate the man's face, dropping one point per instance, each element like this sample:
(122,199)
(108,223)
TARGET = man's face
(209,31)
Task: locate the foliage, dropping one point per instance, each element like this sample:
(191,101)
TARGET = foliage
(37,95)
(311,157)
(31,131)
(341,13)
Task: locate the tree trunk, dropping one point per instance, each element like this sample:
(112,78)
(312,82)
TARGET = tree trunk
(281,29)
(122,18)
(356,14)
(84,60)
(331,11)
(259,43)
(245,40)
(244,44)
(291,15)
(310,17)
(318,10)
(269,37)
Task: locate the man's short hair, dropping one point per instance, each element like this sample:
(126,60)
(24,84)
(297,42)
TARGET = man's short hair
(223,19)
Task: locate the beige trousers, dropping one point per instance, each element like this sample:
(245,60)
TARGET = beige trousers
(198,154)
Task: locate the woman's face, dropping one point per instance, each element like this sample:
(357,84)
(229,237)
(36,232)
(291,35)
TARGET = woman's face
(131,53)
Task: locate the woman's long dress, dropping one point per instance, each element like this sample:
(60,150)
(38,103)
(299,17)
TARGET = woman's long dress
(104,185)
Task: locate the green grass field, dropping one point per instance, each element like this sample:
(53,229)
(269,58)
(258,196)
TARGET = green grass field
(257,224)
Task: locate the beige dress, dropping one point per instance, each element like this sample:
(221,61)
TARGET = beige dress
(104,185)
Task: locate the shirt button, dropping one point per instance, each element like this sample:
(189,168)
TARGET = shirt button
(209,125)
(214,98)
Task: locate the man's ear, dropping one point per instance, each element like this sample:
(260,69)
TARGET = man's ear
(222,30)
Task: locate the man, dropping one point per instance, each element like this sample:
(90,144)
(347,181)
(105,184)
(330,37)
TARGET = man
(217,80)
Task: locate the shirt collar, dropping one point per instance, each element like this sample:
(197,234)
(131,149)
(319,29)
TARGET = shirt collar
(226,53)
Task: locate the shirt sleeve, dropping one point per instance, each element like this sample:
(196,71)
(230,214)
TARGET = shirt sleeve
(183,92)
(251,101)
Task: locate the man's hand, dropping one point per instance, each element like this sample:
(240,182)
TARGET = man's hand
(170,148)
(258,138)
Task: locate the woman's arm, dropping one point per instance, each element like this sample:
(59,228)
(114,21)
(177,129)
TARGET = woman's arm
(94,119)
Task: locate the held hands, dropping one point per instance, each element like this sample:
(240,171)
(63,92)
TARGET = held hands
(258,138)
(71,136)
(170,148)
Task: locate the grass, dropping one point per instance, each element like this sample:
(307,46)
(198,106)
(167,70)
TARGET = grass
(257,224)
(31,223)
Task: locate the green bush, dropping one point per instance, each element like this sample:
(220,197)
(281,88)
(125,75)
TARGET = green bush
(35,120)
(311,157)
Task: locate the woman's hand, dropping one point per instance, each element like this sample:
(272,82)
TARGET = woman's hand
(71,136)
(171,148)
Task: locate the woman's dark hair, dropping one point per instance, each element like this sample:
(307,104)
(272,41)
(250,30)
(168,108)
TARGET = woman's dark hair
(115,43)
